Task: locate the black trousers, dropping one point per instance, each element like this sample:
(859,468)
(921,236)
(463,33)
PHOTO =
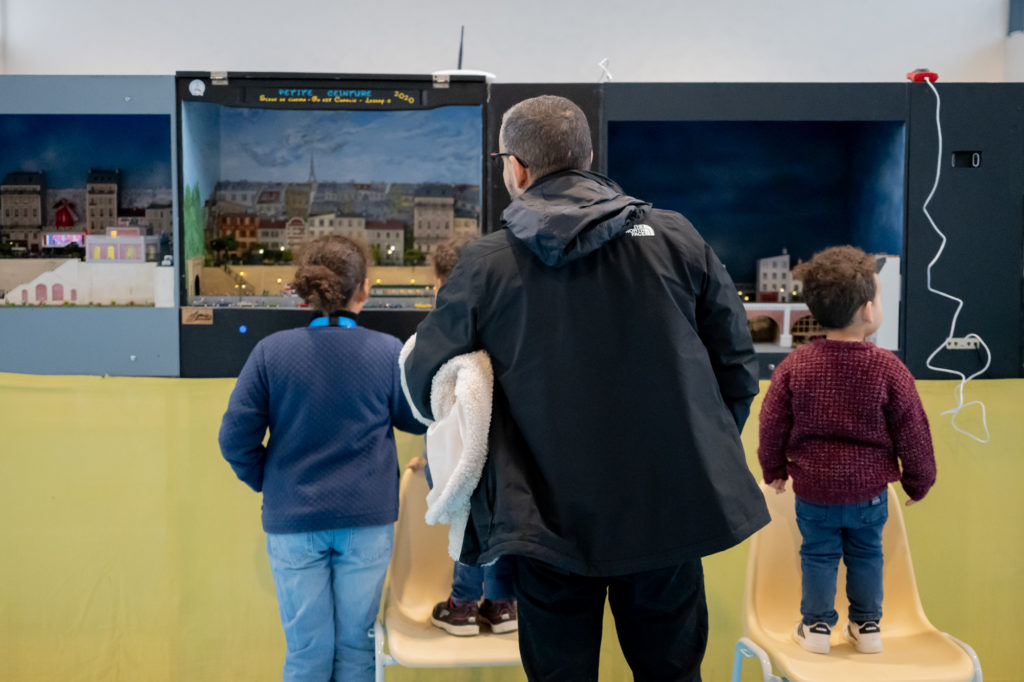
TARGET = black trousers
(661,618)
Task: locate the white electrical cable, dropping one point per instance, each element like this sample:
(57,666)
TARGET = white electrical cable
(959,392)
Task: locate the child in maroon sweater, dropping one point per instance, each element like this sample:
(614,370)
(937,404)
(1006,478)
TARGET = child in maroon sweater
(841,417)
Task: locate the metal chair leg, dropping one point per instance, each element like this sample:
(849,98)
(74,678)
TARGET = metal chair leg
(381,659)
(970,654)
(745,648)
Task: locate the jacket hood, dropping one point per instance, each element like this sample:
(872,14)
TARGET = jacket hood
(570,214)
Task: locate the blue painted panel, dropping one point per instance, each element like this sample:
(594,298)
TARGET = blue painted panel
(115,341)
(92,340)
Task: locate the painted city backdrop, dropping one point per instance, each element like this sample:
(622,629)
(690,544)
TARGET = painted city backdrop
(85,209)
(49,161)
(259,183)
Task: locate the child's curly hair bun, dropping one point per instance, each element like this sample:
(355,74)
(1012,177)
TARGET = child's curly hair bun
(331,270)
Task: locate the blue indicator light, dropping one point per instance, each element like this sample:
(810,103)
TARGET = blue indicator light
(243,329)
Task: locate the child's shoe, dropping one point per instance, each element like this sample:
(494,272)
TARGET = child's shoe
(500,615)
(866,637)
(814,638)
(460,620)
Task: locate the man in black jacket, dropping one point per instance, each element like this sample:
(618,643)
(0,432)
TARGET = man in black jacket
(624,372)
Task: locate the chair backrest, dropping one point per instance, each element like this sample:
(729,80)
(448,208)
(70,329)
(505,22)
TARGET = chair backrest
(772,602)
(421,571)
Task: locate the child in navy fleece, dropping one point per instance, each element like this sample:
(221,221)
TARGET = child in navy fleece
(329,394)
(843,419)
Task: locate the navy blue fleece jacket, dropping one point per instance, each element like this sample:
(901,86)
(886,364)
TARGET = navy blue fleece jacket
(329,396)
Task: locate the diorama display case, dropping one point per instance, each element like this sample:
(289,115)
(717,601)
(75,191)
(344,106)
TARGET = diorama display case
(149,224)
(269,161)
(87,249)
(771,173)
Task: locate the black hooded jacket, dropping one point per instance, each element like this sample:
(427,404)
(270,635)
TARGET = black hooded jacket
(623,372)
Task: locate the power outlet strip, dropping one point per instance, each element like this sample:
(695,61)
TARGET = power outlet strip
(962,343)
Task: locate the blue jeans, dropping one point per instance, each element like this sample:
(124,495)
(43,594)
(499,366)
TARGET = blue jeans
(470,583)
(328,591)
(850,531)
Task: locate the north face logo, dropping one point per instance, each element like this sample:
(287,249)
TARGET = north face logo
(641,231)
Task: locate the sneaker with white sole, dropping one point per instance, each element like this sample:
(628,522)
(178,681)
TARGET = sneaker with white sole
(813,638)
(461,620)
(866,637)
(500,615)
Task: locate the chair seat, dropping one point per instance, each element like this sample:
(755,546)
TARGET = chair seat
(907,657)
(419,577)
(418,643)
(913,650)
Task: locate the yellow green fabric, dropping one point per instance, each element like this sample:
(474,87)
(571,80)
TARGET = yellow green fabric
(128,550)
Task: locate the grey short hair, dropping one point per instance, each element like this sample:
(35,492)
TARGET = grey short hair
(548,134)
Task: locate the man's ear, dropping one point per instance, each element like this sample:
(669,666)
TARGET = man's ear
(519,174)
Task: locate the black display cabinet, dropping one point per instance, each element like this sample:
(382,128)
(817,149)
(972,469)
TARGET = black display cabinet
(270,160)
(769,166)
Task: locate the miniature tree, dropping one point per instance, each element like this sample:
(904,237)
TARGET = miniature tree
(414,257)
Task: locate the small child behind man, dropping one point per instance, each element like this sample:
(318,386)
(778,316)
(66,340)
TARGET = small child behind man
(842,417)
(463,611)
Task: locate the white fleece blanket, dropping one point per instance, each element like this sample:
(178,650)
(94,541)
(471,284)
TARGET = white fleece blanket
(460,398)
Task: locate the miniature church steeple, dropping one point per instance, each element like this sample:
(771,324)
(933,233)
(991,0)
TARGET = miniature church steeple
(313,185)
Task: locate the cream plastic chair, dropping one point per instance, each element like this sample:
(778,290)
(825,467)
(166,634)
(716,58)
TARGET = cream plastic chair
(913,649)
(420,575)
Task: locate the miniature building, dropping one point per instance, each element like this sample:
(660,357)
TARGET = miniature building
(21,210)
(66,215)
(783,317)
(62,238)
(295,233)
(75,282)
(370,191)
(389,237)
(244,228)
(353,227)
(160,217)
(793,321)
(271,234)
(402,196)
(805,330)
(21,200)
(270,202)
(131,217)
(331,194)
(243,193)
(126,244)
(466,224)
(101,189)
(775,282)
(296,199)
(433,217)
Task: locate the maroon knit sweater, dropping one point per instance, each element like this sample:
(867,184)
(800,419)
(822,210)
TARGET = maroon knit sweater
(840,418)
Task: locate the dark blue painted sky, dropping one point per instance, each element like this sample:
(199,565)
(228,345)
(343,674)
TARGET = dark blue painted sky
(754,188)
(65,147)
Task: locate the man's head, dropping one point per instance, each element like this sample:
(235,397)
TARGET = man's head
(543,135)
(838,282)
